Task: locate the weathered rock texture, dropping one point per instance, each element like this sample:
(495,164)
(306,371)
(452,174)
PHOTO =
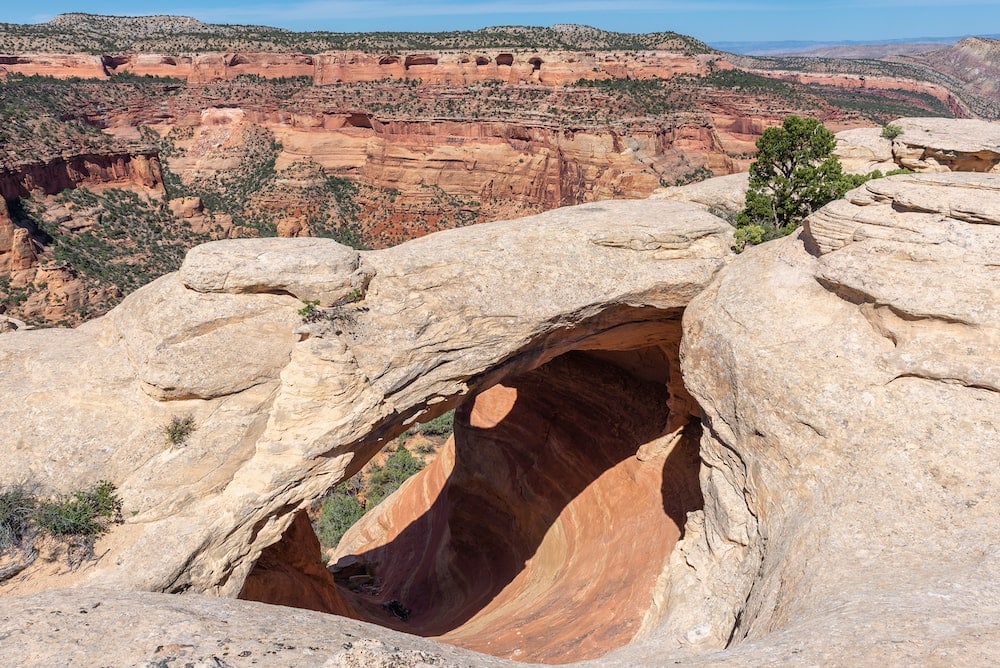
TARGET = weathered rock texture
(848,386)
(284,410)
(851,389)
(925,145)
(560,480)
(60,628)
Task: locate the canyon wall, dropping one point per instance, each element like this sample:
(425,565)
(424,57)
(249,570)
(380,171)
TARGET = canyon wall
(139,168)
(549,68)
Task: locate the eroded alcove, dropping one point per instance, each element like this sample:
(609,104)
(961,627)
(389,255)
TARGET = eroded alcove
(544,527)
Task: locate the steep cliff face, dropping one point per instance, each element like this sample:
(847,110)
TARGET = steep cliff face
(17,252)
(550,68)
(139,169)
(35,285)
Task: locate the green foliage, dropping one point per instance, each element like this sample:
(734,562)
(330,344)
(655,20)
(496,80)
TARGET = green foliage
(795,173)
(384,480)
(76,32)
(17,506)
(83,513)
(339,512)
(309,311)
(890,131)
(442,425)
(748,82)
(179,429)
(341,509)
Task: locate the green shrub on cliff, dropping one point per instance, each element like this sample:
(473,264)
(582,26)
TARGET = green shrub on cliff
(83,513)
(354,497)
(795,173)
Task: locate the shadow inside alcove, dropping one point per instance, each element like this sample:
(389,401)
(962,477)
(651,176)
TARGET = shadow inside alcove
(538,534)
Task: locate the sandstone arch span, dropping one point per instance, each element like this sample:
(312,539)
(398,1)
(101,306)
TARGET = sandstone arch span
(287,409)
(839,425)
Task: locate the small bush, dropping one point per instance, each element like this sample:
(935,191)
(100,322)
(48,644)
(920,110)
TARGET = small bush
(384,480)
(17,505)
(343,507)
(179,429)
(83,513)
(890,131)
(442,425)
(310,311)
(338,513)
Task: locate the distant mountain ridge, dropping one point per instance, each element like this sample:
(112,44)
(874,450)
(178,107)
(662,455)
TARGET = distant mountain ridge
(839,48)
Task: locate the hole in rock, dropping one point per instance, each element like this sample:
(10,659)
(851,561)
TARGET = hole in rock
(536,63)
(358,121)
(239,59)
(482,60)
(540,530)
(422,59)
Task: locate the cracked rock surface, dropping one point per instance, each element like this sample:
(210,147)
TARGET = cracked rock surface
(847,378)
(849,381)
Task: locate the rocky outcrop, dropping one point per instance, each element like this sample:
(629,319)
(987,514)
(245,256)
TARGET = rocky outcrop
(482,547)
(550,68)
(283,409)
(923,145)
(141,168)
(850,386)
(863,150)
(722,194)
(938,145)
(17,252)
(846,412)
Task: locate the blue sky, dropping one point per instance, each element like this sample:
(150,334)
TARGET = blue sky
(709,20)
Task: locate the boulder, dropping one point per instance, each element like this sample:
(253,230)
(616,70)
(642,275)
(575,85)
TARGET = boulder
(947,145)
(722,193)
(851,388)
(863,150)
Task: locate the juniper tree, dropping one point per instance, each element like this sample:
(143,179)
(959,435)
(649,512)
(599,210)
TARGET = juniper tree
(794,174)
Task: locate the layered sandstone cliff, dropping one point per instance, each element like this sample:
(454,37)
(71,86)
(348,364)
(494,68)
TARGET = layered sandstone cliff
(545,67)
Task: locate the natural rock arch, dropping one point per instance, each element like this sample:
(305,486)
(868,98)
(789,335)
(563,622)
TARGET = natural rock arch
(436,325)
(847,509)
